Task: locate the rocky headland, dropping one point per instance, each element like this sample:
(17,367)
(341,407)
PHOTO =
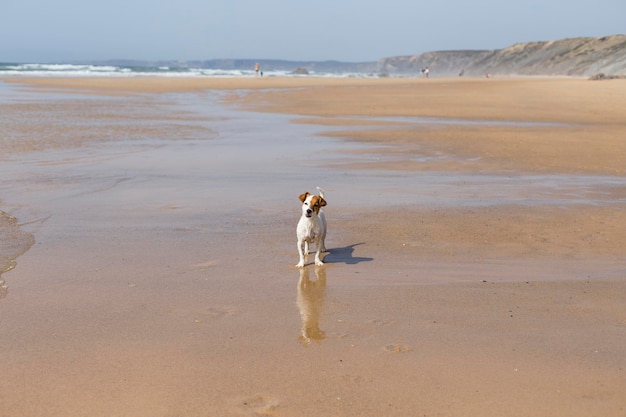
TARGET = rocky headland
(569,57)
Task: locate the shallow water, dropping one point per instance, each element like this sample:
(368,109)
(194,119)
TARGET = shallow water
(190,154)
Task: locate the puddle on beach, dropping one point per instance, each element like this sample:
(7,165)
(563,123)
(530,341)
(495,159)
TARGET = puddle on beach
(136,155)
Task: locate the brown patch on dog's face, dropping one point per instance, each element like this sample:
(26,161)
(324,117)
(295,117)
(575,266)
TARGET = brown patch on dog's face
(317,203)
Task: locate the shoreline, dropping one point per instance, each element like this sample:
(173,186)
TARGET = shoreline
(570,99)
(582,132)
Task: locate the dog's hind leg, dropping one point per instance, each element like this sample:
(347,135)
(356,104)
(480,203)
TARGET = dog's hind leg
(322,240)
(318,261)
(322,244)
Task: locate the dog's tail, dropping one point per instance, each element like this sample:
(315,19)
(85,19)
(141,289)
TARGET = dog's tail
(319,190)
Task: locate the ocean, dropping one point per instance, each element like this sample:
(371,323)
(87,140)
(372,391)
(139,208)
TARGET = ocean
(77,70)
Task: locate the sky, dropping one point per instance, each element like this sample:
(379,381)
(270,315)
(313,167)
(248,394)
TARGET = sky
(344,30)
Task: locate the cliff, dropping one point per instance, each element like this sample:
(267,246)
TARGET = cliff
(571,57)
(441,63)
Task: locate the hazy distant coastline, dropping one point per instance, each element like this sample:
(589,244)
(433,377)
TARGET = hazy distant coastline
(566,57)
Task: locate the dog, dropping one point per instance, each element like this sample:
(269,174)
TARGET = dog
(311,227)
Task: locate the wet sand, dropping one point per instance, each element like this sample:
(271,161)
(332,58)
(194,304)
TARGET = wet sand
(476,263)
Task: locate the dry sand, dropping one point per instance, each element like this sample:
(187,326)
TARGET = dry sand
(475,270)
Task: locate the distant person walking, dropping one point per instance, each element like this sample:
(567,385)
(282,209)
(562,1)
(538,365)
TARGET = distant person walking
(257,68)
(426,72)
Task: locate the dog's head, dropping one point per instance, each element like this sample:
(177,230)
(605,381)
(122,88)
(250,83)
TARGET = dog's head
(311,204)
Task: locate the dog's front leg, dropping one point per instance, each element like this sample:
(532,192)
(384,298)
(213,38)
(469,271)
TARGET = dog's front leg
(318,251)
(300,264)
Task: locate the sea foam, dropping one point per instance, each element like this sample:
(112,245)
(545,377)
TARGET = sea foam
(75,70)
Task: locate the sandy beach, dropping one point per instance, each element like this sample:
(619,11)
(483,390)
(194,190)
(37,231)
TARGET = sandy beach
(476,260)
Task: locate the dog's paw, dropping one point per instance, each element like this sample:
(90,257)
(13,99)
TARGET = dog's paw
(318,262)
(300,264)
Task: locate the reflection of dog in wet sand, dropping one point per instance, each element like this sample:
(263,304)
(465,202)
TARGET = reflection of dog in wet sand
(310,300)
(311,227)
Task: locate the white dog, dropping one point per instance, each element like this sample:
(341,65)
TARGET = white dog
(311,227)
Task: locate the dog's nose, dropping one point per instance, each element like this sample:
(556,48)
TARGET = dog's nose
(309,211)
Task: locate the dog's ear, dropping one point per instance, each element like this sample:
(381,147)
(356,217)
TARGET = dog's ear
(304,196)
(322,202)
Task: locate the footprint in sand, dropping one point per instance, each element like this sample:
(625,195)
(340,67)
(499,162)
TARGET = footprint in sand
(260,405)
(219,312)
(205,265)
(397,348)
(213,313)
(378,322)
